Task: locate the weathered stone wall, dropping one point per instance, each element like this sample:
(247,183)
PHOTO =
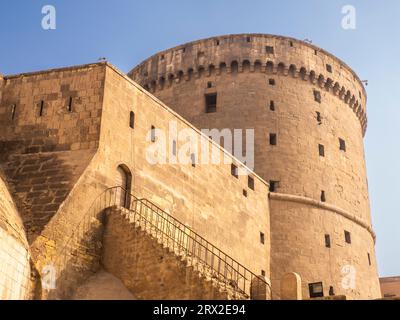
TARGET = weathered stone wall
(49,131)
(390,287)
(14,250)
(148,269)
(238,68)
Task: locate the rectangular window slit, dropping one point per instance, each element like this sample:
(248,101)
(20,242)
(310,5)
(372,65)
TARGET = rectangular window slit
(272,105)
(69,107)
(317,96)
(234,171)
(272,139)
(342,144)
(273,185)
(211,103)
(347,236)
(269,49)
(250,182)
(41,109)
(321,150)
(329,68)
(132,120)
(323,197)
(245,192)
(262,238)
(153,134)
(327,241)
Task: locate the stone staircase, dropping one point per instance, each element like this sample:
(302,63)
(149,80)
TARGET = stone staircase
(153,267)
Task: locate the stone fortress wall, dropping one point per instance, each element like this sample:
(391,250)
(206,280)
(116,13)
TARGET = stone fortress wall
(64,136)
(315,107)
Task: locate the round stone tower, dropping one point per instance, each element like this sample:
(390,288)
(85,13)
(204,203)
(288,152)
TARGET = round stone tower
(308,110)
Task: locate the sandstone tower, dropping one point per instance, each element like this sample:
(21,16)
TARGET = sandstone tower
(308,109)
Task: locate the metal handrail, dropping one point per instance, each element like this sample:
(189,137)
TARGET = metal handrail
(173,234)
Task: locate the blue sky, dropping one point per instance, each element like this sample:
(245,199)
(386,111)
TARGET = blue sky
(128,31)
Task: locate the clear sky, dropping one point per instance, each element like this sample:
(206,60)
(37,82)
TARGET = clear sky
(128,31)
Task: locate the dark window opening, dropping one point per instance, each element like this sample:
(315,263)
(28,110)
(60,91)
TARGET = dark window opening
(245,192)
(217,42)
(272,105)
(323,196)
(153,134)
(291,43)
(359,94)
(319,118)
(331,291)
(250,182)
(342,144)
(272,139)
(327,241)
(248,39)
(263,273)
(369,259)
(317,96)
(162,57)
(321,150)
(132,120)
(234,171)
(209,84)
(329,68)
(262,238)
(69,107)
(41,108)
(13,111)
(271,82)
(269,49)
(273,185)
(211,103)
(183,50)
(316,290)
(315,52)
(347,236)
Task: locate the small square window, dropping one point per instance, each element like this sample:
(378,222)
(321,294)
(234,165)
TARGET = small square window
(321,150)
(250,182)
(342,144)
(273,185)
(271,82)
(272,139)
(211,103)
(234,171)
(272,105)
(262,238)
(317,96)
(269,49)
(316,290)
(245,192)
(327,241)
(329,68)
(347,236)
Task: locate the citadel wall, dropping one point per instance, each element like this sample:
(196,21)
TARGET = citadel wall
(311,101)
(78,152)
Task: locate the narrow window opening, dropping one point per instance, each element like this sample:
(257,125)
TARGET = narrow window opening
(13,111)
(316,290)
(323,196)
(273,185)
(331,291)
(262,238)
(316,52)
(248,39)
(69,107)
(41,108)
(269,49)
(342,144)
(317,96)
(209,84)
(234,171)
(291,43)
(271,82)
(321,150)
(272,139)
(327,241)
(245,192)
(319,118)
(347,236)
(329,68)
(162,57)
(211,103)
(272,105)
(369,259)
(153,134)
(217,42)
(263,273)
(174,148)
(132,120)
(250,182)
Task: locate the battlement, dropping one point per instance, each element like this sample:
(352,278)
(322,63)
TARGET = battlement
(254,53)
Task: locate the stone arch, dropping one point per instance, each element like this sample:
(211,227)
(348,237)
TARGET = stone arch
(328,84)
(270,67)
(336,88)
(123,180)
(292,70)
(321,80)
(246,65)
(312,76)
(303,73)
(234,66)
(222,67)
(257,66)
(170,78)
(347,96)
(161,82)
(200,71)
(190,73)
(281,67)
(211,69)
(180,75)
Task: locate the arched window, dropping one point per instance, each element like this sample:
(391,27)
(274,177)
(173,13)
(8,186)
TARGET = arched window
(234,66)
(246,65)
(123,180)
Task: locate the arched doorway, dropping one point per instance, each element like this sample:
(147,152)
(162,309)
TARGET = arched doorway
(124,180)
